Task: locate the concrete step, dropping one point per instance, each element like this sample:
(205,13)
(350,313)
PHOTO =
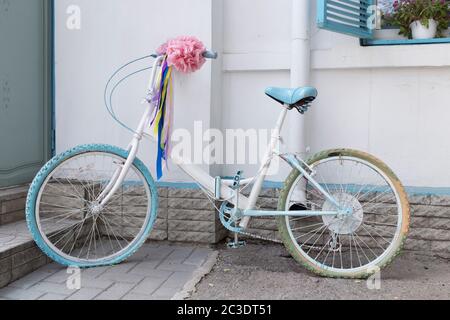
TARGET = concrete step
(12,204)
(19,254)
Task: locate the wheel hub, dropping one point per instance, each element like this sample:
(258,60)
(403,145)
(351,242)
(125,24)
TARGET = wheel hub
(349,218)
(95,209)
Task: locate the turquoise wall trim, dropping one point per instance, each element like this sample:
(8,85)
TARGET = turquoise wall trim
(423,191)
(402,42)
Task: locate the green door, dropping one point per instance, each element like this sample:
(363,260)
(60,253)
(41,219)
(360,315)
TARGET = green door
(25,90)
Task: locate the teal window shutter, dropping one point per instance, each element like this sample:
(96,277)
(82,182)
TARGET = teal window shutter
(351,17)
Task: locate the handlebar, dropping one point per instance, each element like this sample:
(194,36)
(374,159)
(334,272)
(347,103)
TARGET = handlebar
(208,54)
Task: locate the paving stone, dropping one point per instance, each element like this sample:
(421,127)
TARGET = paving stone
(31,279)
(85,294)
(53,297)
(136,280)
(93,273)
(122,278)
(142,254)
(122,268)
(157,254)
(58,277)
(21,294)
(147,269)
(115,292)
(52,267)
(138,297)
(50,287)
(177,267)
(178,255)
(96,283)
(198,257)
(148,286)
(165,293)
(178,279)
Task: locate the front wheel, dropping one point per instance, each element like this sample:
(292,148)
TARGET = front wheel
(351,246)
(66,219)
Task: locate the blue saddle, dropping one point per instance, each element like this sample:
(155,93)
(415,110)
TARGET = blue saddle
(293,96)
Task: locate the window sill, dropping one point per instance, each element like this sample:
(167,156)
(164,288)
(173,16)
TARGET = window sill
(399,42)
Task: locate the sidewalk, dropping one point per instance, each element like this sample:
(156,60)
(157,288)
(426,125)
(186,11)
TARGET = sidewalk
(157,272)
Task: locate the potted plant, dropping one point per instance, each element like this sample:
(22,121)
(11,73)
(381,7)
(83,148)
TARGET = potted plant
(421,19)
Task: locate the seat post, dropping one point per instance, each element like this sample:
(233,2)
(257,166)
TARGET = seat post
(281,119)
(265,166)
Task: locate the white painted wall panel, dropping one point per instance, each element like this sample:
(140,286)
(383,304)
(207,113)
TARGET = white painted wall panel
(112,33)
(378,99)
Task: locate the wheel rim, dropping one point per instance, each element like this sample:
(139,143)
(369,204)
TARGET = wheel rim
(354,244)
(70,220)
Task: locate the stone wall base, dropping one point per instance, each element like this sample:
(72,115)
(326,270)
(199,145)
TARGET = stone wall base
(186,215)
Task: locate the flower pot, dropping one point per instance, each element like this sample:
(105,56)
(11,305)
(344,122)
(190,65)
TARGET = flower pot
(419,31)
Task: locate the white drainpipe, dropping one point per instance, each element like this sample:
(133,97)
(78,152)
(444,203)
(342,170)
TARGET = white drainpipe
(300,69)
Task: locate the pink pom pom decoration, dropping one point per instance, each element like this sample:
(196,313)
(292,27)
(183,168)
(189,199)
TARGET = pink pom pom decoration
(184,53)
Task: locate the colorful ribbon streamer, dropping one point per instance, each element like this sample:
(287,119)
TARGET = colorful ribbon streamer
(162,117)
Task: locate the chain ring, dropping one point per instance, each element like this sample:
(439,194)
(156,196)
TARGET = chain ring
(226,217)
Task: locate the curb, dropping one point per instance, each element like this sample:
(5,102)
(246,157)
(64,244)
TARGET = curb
(198,275)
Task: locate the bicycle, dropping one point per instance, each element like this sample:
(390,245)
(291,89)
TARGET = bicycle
(343,213)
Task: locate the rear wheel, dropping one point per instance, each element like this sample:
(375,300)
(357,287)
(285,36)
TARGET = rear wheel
(353,246)
(68,222)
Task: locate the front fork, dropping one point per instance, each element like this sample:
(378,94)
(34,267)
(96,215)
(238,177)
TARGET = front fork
(119,175)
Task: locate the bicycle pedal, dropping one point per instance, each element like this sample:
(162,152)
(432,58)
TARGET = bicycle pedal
(236,245)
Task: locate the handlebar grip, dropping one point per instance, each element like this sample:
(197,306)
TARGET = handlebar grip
(210,54)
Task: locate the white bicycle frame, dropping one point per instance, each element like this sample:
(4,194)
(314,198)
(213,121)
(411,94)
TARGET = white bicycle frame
(245,204)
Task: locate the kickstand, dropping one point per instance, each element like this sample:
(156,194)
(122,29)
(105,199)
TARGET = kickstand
(236,244)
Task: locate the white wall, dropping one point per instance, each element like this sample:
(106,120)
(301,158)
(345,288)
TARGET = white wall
(114,32)
(390,101)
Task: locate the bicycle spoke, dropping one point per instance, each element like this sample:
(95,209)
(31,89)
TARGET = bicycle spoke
(356,241)
(81,230)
